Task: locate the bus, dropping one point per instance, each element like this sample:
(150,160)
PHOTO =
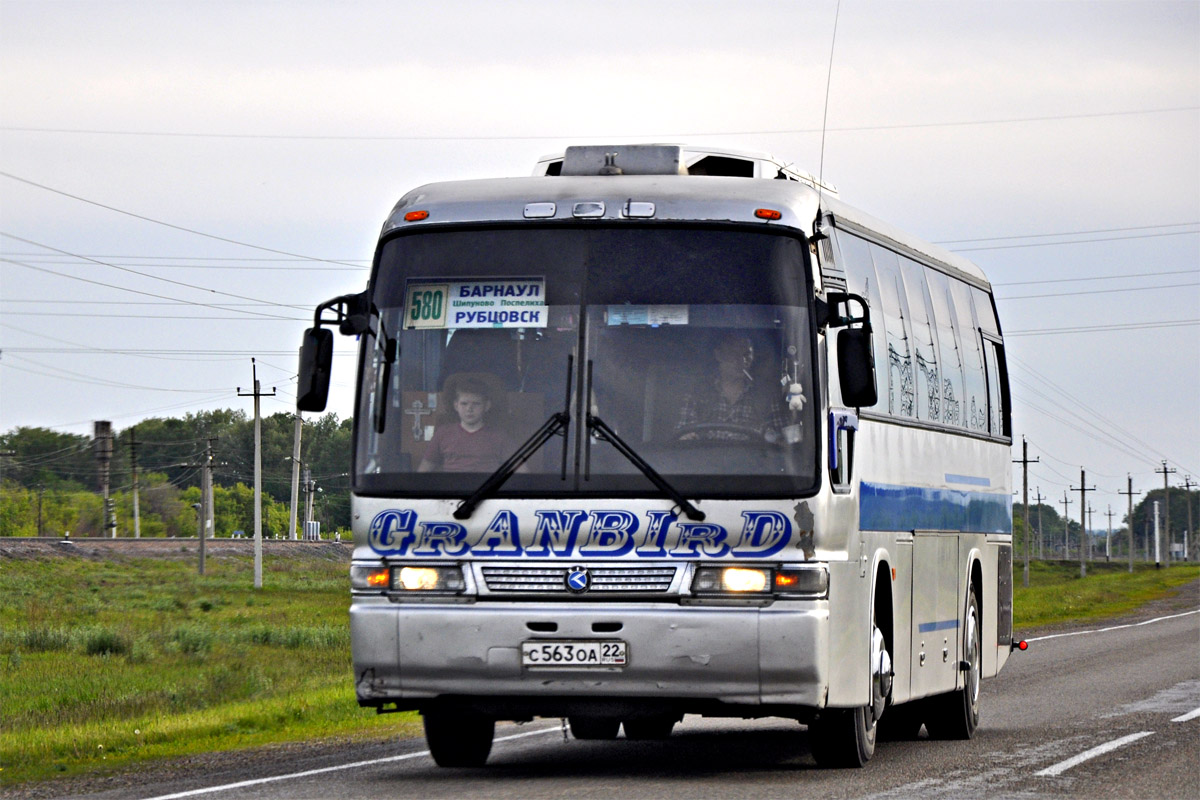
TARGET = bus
(662,430)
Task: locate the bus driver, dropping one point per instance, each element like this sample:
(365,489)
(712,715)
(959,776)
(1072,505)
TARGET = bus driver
(729,406)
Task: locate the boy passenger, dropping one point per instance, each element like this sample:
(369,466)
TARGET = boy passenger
(471,445)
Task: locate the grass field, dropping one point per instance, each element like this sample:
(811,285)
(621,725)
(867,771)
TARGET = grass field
(105,663)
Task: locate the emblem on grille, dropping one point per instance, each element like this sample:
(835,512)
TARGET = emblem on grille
(578,580)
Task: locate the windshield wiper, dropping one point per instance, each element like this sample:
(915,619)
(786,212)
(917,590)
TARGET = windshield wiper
(607,434)
(559,422)
(594,423)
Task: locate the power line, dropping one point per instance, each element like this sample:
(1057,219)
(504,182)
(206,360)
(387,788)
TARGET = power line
(543,137)
(124,288)
(1075,241)
(1098,291)
(136,272)
(1101,277)
(93,314)
(1107,431)
(144,218)
(236,264)
(79,377)
(1067,233)
(1132,326)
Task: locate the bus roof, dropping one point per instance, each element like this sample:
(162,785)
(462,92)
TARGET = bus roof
(666,197)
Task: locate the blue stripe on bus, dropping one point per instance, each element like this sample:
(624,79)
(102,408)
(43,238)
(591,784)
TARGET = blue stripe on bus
(887,507)
(970,480)
(941,625)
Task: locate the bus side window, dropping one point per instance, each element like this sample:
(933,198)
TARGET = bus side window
(861,280)
(926,374)
(997,378)
(899,363)
(947,328)
(974,409)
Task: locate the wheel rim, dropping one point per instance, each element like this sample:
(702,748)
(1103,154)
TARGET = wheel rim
(881,674)
(973,658)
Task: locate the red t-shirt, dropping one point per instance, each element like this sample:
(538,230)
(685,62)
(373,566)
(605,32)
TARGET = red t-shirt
(453,449)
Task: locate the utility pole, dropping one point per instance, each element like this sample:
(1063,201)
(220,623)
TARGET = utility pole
(102,440)
(310,495)
(207,512)
(1091,526)
(3,455)
(1108,541)
(1187,496)
(256,394)
(137,517)
(1041,538)
(40,490)
(295,477)
(1157,559)
(1167,503)
(1083,534)
(1130,493)
(1066,501)
(1025,462)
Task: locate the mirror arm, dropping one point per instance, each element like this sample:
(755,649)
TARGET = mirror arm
(826,316)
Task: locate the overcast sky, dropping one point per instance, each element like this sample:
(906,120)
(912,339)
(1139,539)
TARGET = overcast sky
(212,159)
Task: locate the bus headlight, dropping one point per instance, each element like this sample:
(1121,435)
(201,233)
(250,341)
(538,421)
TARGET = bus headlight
(431,579)
(737,580)
(796,580)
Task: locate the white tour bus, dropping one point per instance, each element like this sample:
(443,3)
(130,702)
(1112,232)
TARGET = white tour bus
(661,431)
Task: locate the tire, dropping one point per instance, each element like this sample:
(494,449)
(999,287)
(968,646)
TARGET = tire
(649,728)
(458,740)
(842,737)
(845,737)
(594,727)
(955,715)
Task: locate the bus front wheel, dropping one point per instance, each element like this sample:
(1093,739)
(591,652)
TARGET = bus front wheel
(458,740)
(845,737)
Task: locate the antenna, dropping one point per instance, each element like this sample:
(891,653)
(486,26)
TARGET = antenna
(817,234)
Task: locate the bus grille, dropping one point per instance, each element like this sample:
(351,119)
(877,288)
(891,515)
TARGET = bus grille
(553,580)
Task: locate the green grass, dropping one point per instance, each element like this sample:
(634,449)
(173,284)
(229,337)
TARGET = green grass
(104,665)
(1057,594)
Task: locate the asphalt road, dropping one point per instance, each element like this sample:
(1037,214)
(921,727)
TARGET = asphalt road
(1112,712)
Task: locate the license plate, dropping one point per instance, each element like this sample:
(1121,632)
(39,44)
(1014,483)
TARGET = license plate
(573,654)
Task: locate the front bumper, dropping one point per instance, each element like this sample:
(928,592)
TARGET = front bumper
(414,654)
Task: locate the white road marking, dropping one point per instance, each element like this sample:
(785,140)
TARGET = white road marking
(275,778)
(1107,747)
(1112,628)
(1195,712)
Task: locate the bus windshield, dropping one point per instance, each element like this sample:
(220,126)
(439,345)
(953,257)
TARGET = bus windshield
(692,345)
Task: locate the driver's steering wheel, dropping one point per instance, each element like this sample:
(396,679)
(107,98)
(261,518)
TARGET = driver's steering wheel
(742,433)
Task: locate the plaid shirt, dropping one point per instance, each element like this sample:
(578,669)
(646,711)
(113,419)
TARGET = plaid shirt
(752,409)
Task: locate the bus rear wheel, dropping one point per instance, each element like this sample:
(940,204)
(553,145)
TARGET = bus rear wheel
(458,740)
(955,715)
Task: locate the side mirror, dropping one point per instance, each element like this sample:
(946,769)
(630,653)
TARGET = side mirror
(856,367)
(316,364)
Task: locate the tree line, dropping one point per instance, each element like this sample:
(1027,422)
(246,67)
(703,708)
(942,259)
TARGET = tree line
(50,480)
(1054,527)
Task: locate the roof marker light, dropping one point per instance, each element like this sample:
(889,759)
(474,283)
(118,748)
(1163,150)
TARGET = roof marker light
(416,216)
(767,213)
